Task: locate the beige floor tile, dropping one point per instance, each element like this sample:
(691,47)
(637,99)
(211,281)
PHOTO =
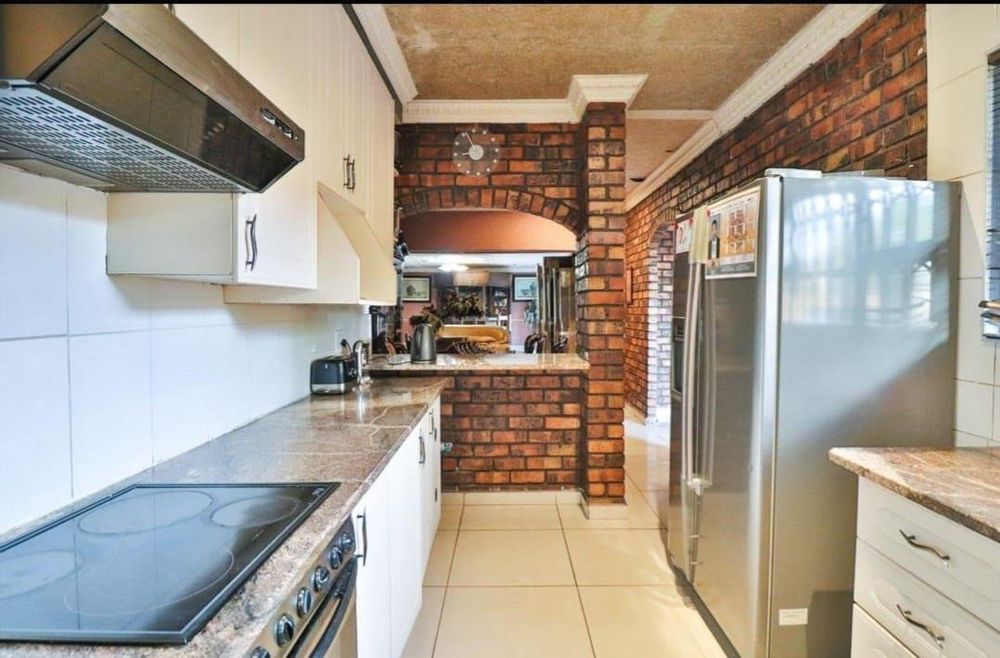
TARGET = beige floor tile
(659,502)
(639,516)
(626,622)
(421,641)
(510,498)
(451,516)
(649,472)
(619,557)
(510,517)
(510,558)
(450,498)
(439,563)
(512,622)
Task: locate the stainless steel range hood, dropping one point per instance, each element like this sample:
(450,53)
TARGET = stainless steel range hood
(127,98)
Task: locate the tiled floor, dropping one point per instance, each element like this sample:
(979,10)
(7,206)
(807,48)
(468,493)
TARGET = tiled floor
(530,576)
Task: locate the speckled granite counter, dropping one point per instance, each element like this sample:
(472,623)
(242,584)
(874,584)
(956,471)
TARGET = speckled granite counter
(345,439)
(487,362)
(962,484)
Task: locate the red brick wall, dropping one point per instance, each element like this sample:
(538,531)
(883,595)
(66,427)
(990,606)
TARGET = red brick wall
(600,298)
(537,172)
(863,106)
(512,430)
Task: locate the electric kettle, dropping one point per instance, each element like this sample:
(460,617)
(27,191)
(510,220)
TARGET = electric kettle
(423,349)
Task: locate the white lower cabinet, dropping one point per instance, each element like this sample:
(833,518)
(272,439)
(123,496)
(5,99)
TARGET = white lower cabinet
(923,585)
(394,521)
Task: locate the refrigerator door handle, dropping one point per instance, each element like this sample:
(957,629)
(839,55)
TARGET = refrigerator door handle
(690,378)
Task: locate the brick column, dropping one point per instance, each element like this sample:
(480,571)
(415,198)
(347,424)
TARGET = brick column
(600,298)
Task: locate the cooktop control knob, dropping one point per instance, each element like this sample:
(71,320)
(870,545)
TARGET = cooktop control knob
(260,652)
(336,557)
(345,542)
(284,629)
(303,602)
(321,578)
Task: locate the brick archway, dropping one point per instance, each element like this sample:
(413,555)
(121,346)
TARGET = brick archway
(426,200)
(659,310)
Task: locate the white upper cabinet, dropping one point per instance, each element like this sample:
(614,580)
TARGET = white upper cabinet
(285,245)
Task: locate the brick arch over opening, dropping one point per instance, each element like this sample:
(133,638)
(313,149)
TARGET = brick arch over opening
(555,210)
(660,265)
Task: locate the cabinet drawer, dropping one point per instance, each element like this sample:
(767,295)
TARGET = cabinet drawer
(890,594)
(970,575)
(869,640)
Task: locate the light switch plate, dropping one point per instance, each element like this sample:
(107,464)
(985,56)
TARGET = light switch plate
(793,617)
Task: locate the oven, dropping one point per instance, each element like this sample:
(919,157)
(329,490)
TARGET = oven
(333,631)
(318,619)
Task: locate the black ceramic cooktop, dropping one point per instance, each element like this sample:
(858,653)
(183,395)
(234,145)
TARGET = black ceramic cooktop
(148,565)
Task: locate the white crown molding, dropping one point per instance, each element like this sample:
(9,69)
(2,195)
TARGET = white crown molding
(583,89)
(808,46)
(383,40)
(671,115)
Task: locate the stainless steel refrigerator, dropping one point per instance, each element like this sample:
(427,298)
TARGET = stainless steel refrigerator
(843,334)
(557,304)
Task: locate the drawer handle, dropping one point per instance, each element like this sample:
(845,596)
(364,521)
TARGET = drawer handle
(908,616)
(912,541)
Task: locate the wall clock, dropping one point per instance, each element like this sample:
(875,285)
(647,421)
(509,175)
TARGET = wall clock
(475,152)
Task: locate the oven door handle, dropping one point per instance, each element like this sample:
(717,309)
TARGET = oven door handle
(325,627)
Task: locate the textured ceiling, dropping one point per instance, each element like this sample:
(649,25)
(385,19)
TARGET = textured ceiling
(648,142)
(695,55)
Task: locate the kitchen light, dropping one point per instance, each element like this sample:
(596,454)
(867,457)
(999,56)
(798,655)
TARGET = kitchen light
(453,267)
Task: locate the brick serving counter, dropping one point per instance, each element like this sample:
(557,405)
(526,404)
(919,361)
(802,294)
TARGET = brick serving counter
(515,420)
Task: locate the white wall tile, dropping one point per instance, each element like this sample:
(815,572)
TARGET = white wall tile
(111,415)
(972,227)
(180,386)
(959,38)
(963,440)
(956,127)
(99,303)
(35,467)
(175,304)
(976,355)
(974,408)
(32,255)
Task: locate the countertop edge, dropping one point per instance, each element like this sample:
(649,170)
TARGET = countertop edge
(842,457)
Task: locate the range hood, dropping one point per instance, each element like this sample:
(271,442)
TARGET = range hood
(127,98)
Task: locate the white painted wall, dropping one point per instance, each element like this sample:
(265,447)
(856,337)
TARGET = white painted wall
(959,37)
(102,377)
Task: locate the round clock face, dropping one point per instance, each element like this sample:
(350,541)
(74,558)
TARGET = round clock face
(475,152)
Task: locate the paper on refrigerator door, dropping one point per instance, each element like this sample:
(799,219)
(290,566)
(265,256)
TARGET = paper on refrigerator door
(698,238)
(730,241)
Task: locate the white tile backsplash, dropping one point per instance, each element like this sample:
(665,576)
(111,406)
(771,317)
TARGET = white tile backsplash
(974,408)
(101,377)
(34,428)
(32,256)
(972,227)
(956,126)
(976,355)
(111,411)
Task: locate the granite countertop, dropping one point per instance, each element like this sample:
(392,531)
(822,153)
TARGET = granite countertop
(347,439)
(962,484)
(475,362)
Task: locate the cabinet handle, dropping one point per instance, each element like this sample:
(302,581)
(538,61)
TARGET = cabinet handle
(908,616)
(364,537)
(912,541)
(423,449)
(434,425)
(347,172)
(250,237)
(353,174)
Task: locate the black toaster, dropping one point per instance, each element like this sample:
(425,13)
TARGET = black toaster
(333,375)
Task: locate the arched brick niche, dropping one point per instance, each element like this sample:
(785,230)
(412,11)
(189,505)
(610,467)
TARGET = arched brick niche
(573,174)
(538,172)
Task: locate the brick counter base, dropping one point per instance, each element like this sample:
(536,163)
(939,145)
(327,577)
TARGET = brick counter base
(512,430)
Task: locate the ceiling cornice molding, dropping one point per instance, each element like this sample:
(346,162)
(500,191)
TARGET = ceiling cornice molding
(805,48)
(383,40)
(583,89)
(671,115)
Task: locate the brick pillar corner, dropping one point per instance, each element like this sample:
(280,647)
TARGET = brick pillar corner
(600,265)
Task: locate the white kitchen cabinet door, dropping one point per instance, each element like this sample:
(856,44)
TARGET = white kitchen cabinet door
(407,568)
(374,589)
(275,55)
(329,27)
(216,25)
(430,482)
